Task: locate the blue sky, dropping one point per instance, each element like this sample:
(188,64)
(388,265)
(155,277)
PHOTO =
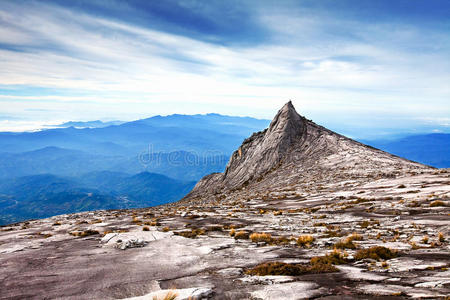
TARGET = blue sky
(362,67)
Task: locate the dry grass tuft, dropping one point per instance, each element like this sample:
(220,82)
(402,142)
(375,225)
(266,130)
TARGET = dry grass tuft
(347,243)
(336,257)
(267,238)
(84,233)
(241,235)
(355,237)
(376,252)
(333,233)
(261,237)
(437,203)
(441,237)
(305,240)
(280,268)
(414,204)
(169,296)
(215,228)
(364,224)
(282,240)
(414,246)
(190,234)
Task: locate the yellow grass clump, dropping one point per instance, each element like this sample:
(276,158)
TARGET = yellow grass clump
(305,240)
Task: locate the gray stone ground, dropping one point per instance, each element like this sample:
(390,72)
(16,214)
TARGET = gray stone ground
(40,259)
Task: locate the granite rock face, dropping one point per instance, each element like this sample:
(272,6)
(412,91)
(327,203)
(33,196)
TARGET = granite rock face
(265,150)
(294,147)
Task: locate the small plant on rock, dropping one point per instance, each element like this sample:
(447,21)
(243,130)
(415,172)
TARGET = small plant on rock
(241,235)
(414,246)
(169,296)
(305,240)
(286,269)
(347,243)
(376,252)
(336,257)
(84,233)
(364,224)
(261,237)
(190,234)
(437,203)
(441,237)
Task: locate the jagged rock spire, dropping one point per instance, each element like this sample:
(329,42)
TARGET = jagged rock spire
(258,154)
(292,148)
(265,150)
(285,128)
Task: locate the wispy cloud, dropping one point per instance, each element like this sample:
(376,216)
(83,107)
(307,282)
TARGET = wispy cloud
(328,63)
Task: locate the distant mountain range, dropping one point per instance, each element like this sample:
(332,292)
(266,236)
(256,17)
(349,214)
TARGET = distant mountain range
(96,165)
(41,196)
(88,124)
(430,149)
(180,146)
(101,165)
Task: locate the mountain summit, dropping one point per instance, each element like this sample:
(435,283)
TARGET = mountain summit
(294,149)
(266,149)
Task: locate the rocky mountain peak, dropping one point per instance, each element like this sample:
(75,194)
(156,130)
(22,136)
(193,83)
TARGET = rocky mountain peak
(285,115)
(287,125)
(293,149)
(265,150)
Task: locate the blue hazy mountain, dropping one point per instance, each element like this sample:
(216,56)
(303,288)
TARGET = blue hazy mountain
(198,133)
(181,165)
(430,149)
(52,160)
(88,124)
(181,146)
(88,166)
(41,196)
